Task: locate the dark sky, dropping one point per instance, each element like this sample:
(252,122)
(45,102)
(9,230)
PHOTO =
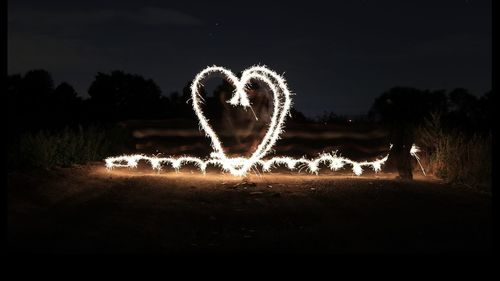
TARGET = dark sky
(336,55)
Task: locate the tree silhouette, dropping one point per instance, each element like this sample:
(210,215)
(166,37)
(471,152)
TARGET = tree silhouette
(37,84)
(66,106)
(331,117)
(468,113)
(64,93)
(120,95)
(28,99)
(298,117)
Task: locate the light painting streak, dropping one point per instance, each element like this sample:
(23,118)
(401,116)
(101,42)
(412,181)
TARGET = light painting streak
(333,161)
(239,166)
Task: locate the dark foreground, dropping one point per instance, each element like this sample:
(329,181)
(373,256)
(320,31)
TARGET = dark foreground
(88,209)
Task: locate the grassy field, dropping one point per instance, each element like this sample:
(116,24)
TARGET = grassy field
(90,209)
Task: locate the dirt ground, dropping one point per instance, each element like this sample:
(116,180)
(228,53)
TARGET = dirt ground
(91,209)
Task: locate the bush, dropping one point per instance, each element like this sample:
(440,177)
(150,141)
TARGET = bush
(64,148)
(456,157)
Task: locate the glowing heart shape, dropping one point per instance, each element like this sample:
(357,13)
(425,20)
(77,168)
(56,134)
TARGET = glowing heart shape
(281,102)
(239,166)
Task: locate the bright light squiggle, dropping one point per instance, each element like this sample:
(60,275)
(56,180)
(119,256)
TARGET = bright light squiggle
(333,162)
(239,166)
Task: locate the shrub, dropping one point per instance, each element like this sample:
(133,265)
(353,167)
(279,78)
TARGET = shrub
(456,157)
(46,149)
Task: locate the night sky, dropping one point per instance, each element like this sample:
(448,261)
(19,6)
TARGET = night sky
(336,57)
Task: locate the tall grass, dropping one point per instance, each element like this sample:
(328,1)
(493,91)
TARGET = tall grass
(456,157)
(46,149)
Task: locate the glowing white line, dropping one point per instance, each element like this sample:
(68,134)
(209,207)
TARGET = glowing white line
(282,104)
(333,161)
(240,166)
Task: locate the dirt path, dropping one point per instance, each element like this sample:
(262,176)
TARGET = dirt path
(89,209)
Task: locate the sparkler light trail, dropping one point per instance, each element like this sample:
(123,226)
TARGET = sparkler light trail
(239,166)
(333,161)
(414,150)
